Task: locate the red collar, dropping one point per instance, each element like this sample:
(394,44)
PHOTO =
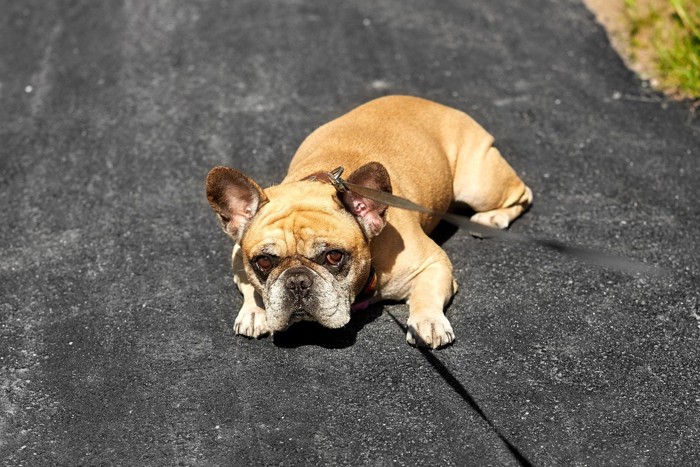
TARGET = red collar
(362,300)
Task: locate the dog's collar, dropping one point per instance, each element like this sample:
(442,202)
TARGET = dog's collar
(331,178)
(362,300)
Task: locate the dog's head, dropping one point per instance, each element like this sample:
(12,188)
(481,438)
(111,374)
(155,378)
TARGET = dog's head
(305,246)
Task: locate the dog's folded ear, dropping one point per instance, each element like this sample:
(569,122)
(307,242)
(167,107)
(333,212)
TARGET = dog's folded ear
(370,214)
(234,198)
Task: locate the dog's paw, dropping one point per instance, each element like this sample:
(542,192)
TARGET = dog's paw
(433,332)
(252,322)
(495,219)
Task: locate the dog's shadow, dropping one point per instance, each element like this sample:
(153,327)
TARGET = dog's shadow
(311,333)
(444,230)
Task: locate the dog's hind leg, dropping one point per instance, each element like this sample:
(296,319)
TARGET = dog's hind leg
(490,186)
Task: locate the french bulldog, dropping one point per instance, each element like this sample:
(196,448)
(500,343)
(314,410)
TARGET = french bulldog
(304,250)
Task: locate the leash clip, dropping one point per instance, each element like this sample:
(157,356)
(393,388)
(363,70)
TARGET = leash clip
(335,180)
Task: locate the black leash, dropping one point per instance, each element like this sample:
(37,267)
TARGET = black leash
(480,230)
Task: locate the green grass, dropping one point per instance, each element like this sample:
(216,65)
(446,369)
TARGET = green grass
(669,31)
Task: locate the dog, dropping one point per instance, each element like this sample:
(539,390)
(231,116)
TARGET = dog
(305,251)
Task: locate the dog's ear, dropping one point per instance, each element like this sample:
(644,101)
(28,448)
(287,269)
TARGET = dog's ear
(370,214)
(234,198)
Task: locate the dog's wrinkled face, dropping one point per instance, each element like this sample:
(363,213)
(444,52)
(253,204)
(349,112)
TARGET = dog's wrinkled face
(306,255)
(305,247)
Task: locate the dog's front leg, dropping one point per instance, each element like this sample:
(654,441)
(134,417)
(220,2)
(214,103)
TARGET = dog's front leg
(251,320)
(431,290)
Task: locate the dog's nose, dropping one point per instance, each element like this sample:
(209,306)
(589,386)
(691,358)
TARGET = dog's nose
(299,281)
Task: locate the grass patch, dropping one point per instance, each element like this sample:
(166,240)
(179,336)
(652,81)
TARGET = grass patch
(666,34)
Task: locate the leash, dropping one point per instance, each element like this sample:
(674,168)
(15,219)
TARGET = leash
(480,230)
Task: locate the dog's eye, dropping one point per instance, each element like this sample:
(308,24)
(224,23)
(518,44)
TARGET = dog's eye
(264,263)
(334,257)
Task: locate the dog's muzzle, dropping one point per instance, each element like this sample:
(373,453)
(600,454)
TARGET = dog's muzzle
(301,294)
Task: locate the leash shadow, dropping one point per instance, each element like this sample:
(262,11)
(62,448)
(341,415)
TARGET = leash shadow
(464,394)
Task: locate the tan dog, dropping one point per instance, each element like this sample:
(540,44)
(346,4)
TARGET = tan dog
(304,251)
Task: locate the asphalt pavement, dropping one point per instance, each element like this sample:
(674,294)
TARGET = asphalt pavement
(116,299)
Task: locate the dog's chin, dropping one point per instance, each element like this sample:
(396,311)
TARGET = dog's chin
(336,320)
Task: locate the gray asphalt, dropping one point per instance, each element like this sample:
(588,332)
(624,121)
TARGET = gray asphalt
(116,299)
